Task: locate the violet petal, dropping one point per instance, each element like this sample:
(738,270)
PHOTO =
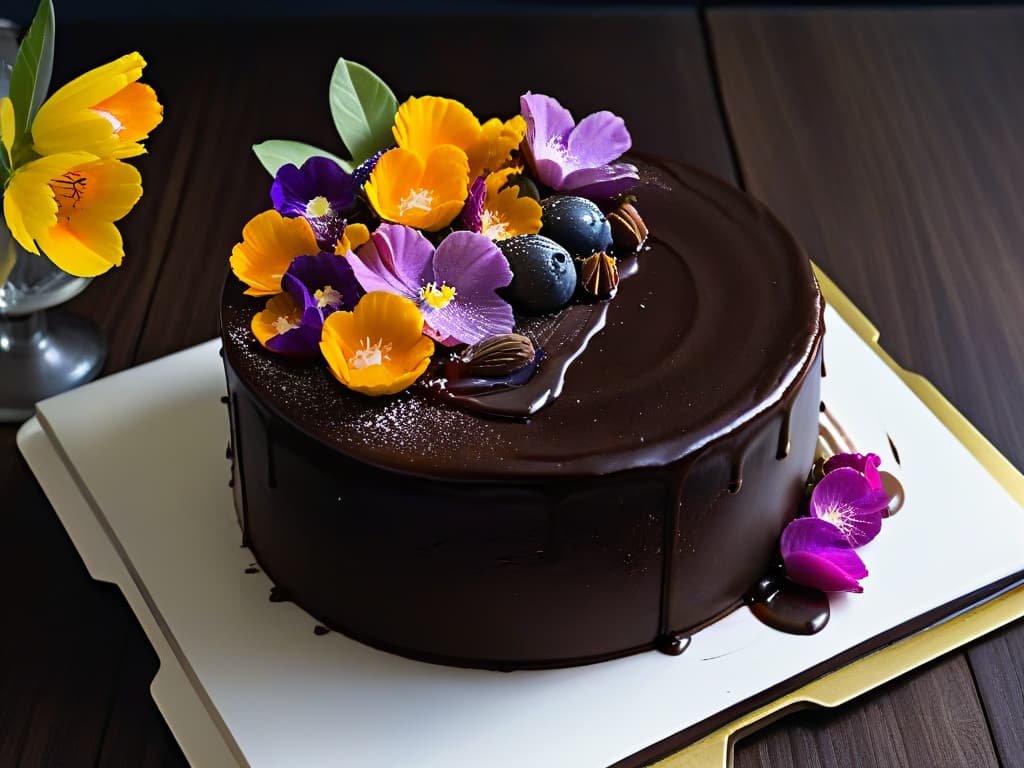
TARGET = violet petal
(328,273)
(816,554)
(471,213)
(294,188)
(598,139)
(473,265)
(303,341)
(844,499)
(548,124)
(397,259)
(601,183)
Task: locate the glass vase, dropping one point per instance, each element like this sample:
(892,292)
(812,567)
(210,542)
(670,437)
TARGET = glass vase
(43,351)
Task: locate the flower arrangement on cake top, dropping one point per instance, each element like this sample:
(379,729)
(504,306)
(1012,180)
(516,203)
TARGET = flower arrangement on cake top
(62,169)
(438,234)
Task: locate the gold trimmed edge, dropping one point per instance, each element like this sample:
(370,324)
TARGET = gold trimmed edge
(886,664)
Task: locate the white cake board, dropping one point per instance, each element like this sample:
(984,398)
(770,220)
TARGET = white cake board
(134,466)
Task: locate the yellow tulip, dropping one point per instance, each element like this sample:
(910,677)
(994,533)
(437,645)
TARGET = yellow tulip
(105,112)
(66,205)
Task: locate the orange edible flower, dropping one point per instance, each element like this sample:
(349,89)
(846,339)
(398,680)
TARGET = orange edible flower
(425,194)
(353,236)
(269,243)
(378,348)
(424,123)
(280,316)
(505,213)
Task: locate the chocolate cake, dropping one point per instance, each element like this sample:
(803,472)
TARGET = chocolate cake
(628,495)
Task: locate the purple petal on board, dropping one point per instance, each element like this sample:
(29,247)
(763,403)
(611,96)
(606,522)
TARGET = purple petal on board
(816,554)
(397,259)
(845,499)
(601,183)
(598,139)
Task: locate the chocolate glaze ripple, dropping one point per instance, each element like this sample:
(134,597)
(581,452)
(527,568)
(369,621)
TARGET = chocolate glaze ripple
(641,503)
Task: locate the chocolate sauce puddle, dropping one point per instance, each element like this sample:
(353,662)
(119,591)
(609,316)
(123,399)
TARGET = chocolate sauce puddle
(673,644)
(788,607)
(894,490)
(563,337)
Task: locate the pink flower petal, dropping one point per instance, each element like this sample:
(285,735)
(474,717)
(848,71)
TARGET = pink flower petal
(845,499)
(816,554)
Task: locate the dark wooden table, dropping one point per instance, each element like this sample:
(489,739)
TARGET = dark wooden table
(890,141)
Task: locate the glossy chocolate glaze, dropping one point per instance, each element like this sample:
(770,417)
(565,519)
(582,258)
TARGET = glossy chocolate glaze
(642,503)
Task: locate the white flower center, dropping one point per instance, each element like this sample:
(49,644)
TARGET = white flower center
(327,297)
(283,324)
(417,199)
(492,225)
(370,354)
(317,207)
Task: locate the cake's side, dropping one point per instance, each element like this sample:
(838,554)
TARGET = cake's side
(687,427)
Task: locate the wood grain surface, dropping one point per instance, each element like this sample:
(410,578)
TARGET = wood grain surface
(890,142)
(886,140)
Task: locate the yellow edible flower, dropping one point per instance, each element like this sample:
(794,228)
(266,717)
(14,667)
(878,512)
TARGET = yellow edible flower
(426,122)
(66,204)
(269,243)
(105,112)
(505,213)
(378,348)
(425,194)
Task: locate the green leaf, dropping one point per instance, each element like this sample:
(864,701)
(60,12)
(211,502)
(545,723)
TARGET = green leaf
(277,152)
(30,77)
(363,108)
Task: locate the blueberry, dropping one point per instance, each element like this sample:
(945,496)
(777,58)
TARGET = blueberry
(576,224)
(543,274)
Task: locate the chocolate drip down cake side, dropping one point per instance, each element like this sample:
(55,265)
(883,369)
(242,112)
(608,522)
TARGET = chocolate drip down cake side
(595,458)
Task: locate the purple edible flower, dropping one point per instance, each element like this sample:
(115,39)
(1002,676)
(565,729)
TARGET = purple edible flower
(867,465)
(471,213)
(362,172)
(320,191)
(320,285)
(453,286)
(845,499)
(816,554)
(576,158)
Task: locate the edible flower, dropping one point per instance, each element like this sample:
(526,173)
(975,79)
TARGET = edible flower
(426,193)
(352,237)
(424,123)
(316,287)
(866,464)
(378,348)
(845,499)
(319,191)
(454,286)
(576,158)
(816,554)
(287,328)
(66,204)
(105,112)
(495,209)
(269,244)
